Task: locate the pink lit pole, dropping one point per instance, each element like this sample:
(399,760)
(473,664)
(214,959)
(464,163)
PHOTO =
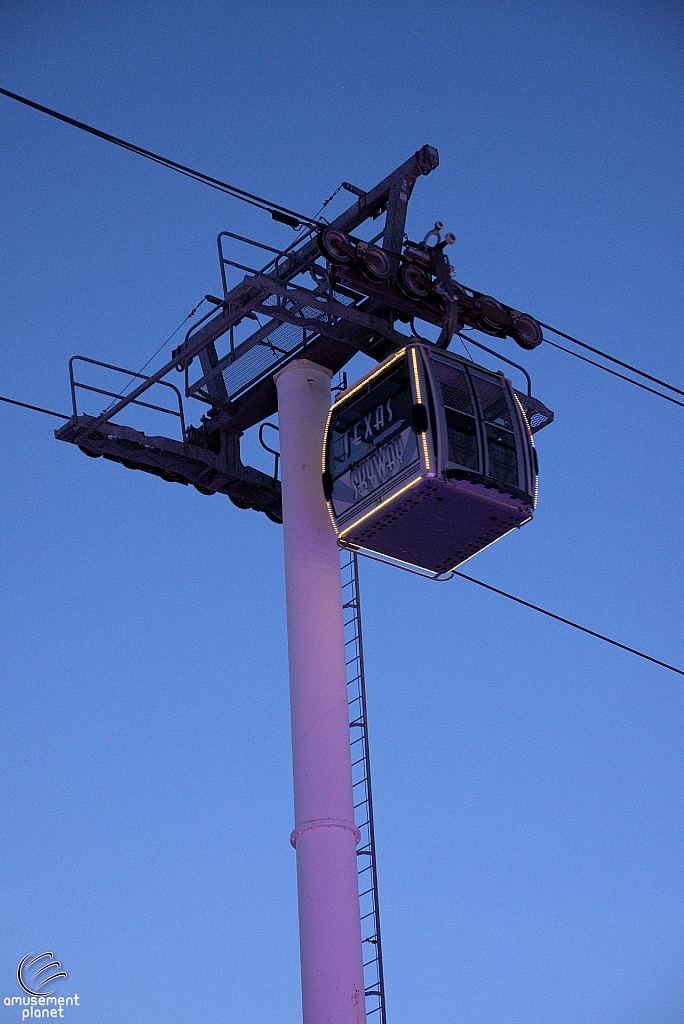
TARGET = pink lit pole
(324,836)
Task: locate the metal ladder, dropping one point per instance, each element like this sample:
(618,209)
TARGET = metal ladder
(363,798)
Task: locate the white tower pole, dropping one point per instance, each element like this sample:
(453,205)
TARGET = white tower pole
(324,836)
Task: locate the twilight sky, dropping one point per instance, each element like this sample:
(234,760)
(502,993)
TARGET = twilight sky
(527,778)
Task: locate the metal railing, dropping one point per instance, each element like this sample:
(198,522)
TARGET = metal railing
(120,396)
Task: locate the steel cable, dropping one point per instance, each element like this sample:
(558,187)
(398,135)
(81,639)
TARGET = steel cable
(638,384)
(471,579)
(569,622)
(604,355)
(277,212)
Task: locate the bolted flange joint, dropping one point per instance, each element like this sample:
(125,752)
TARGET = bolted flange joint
(323,823)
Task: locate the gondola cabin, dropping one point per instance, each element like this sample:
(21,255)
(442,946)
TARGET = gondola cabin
(429,458)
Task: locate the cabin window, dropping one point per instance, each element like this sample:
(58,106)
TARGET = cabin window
(493,402)
(502,455)
(455,389)
(462,435)
(503,460)
(460,419)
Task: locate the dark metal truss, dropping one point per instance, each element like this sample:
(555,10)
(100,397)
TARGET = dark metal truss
(301,306)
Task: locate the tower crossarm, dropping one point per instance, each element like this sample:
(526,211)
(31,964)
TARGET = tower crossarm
(209,472)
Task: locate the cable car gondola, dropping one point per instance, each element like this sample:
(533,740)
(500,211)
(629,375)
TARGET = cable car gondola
(429,458)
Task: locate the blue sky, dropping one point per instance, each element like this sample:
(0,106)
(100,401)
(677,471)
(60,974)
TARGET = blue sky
(527,778)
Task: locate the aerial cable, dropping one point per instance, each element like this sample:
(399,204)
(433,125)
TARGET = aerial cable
(569,622)
(619,362)
(173,334)
(36,408)
(284,215)
(61,416)
(463,342)
(329,200)
(638,384)
(471,579)
(155,354)
(296,220)
(279,213)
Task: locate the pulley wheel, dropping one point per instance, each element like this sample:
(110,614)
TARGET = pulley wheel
(527,332)
(492,317)
(335,246)
(413,281)
(375,263)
